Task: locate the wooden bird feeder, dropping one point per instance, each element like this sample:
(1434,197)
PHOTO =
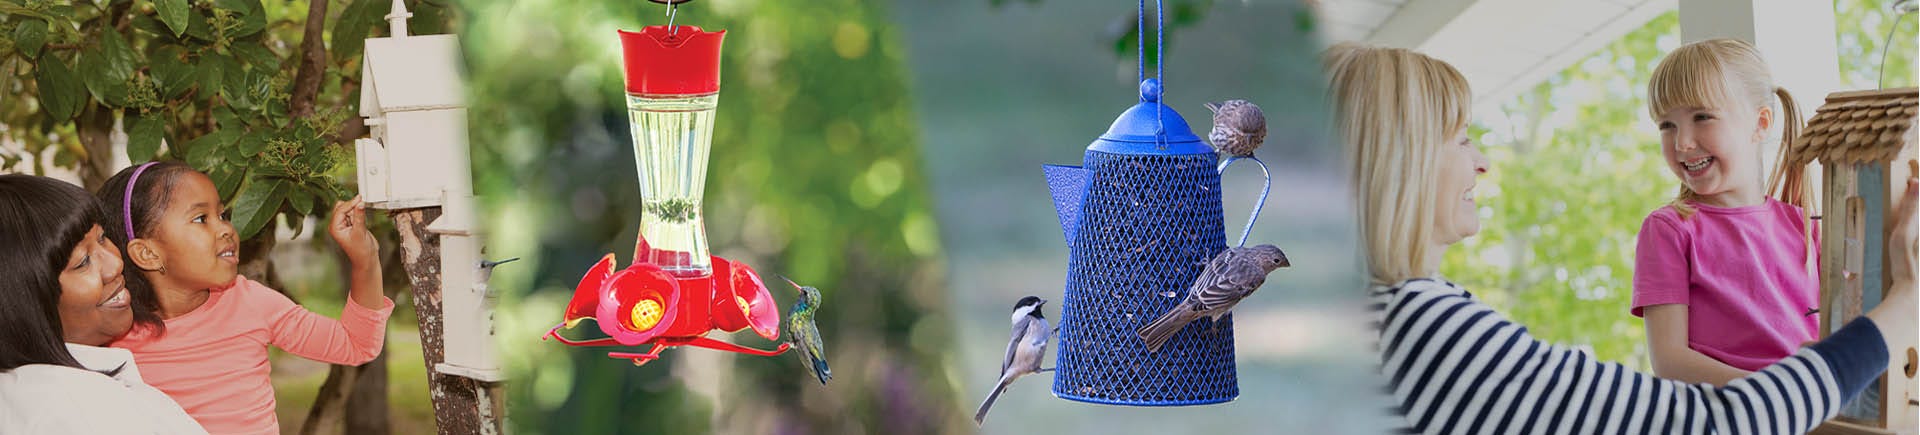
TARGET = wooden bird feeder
(1863,141)
(417,157)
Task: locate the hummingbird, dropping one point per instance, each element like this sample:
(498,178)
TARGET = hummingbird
(1239,127)
(1228,278)
(1024,350)
(804,335)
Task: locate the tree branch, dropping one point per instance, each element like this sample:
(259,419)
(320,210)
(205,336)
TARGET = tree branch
(353,128)
(313,62)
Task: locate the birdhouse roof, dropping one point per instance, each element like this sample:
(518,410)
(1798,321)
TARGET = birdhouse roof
(411,73)
(1861,126)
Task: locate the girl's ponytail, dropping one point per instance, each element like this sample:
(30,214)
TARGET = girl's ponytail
(1789,184)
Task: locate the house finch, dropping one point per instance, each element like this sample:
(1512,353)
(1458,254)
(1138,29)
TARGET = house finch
(1229,277)
(1239,127)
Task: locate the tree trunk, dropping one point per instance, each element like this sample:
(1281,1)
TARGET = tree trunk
(460,405)
(333,393)
(368,411)
(357,395)
(256,262)
(313,62)
(95,127)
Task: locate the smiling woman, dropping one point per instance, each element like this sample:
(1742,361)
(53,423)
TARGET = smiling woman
(61,280)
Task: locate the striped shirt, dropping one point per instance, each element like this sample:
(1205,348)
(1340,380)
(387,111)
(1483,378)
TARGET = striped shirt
(1453,365)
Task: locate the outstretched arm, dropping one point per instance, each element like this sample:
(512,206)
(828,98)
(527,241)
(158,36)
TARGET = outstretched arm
(1455,366)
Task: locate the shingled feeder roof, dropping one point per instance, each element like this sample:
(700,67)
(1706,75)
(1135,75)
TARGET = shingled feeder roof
(1861,126)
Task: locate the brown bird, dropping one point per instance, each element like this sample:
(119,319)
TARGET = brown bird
(1229,277)
(1239,127)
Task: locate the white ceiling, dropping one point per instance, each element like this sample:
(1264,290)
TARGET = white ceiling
(1502,46)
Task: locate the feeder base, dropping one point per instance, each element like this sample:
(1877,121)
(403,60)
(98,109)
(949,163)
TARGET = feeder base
(482,375)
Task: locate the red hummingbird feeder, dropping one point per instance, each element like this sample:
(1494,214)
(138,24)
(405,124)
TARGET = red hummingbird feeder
(675,292)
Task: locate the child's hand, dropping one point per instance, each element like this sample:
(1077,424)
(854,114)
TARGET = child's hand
(349,228)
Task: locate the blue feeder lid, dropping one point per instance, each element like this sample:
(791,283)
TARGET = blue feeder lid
(1150,128)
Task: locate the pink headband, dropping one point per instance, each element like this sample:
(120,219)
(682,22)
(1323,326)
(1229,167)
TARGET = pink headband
(128,205)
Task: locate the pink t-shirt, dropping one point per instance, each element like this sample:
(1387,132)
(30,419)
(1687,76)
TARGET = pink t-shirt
(1742,274)
(213,360)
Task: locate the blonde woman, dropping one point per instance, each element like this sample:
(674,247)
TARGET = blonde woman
(1453,365)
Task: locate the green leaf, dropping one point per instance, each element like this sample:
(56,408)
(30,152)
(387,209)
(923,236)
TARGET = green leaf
(29,36)
(172,72)
(227,179)
(106,67)
(153,26)
(302,200)
(253,17)
(259,199)
(225,118)
(15,8)
(65,158)
(213,68)
(200,26)
(252,144)
(257,57)
(174,13)
(355,23)
(203,153)
(238,86)
(60,91)
(143,136)
(295,222)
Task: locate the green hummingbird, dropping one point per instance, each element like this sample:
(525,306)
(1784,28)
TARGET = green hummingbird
(804,335)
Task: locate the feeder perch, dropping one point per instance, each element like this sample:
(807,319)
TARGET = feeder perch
(1863,141)
(675,292)
(412,101)
(1141,218)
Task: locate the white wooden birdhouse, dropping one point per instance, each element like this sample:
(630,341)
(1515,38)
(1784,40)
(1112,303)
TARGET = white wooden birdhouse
(1863,141)
(412,99)
(414,103)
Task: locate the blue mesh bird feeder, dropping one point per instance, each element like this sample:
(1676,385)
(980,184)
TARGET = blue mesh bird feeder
(1141,217)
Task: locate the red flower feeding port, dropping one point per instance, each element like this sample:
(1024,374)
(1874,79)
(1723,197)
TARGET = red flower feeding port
(675,292)
(644,305)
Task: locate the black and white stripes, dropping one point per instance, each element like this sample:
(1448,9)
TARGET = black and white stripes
(1452,365)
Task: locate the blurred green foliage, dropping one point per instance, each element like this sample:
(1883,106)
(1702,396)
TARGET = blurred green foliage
(1576,167)
(1864,27)
(814,175)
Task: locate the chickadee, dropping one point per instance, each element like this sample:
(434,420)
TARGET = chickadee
(1024,350)
(1230,277)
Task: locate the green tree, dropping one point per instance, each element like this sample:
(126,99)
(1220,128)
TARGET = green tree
(814,175)
(249,93)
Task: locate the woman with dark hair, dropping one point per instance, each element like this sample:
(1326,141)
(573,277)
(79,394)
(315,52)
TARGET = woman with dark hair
(62,296)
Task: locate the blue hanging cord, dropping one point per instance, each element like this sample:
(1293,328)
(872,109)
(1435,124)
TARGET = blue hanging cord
(1159,62)
(1140,42)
